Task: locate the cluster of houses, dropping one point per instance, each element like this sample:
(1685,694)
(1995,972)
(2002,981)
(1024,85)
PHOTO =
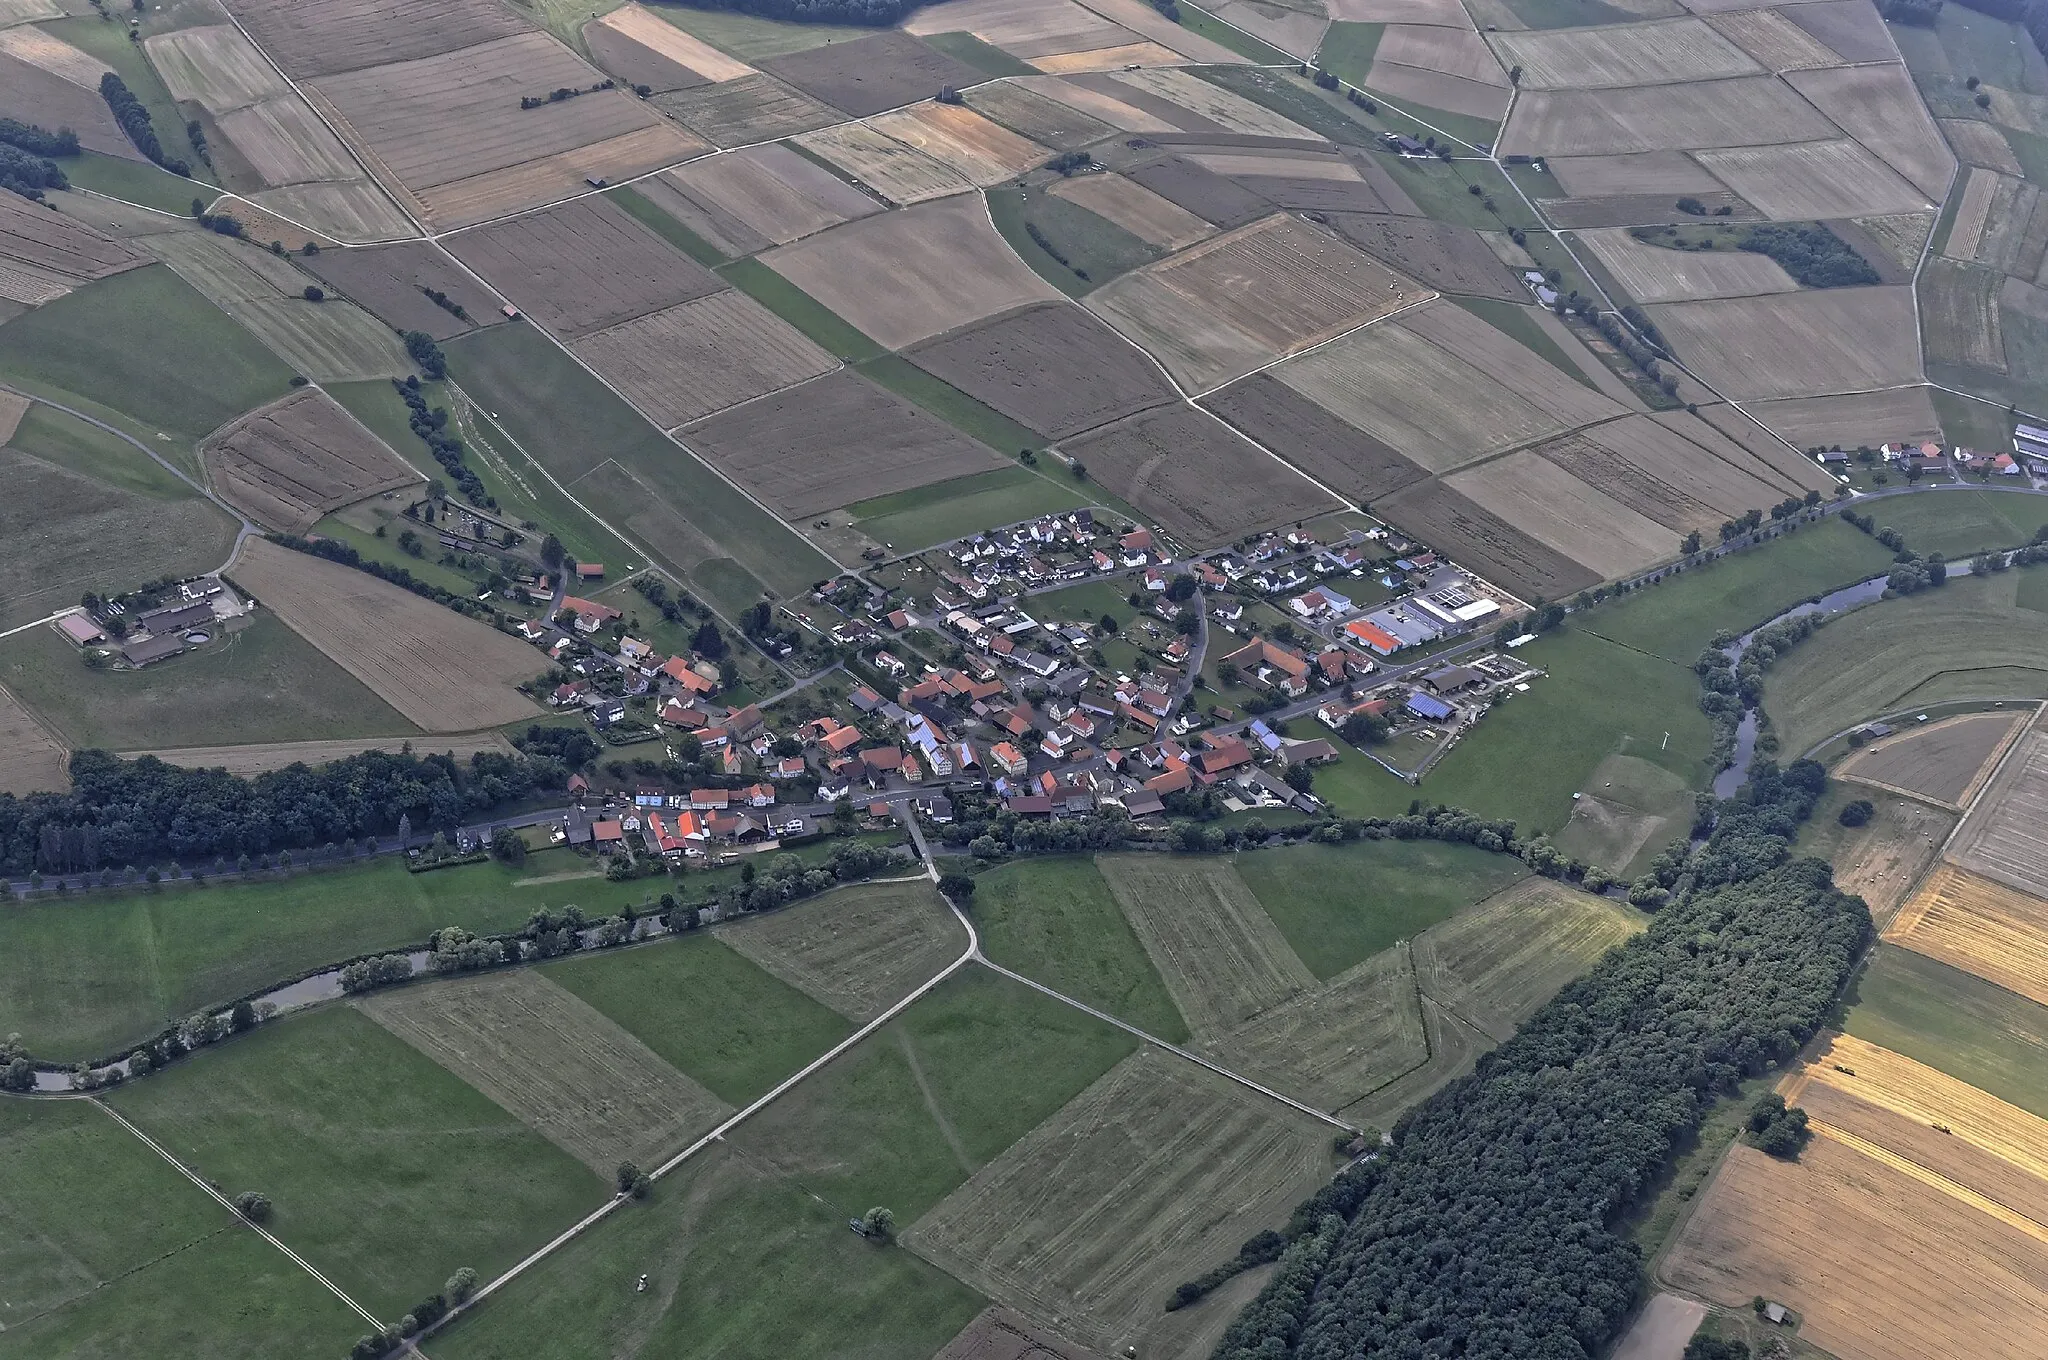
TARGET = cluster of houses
(1051,550)
(698,824)
(154,635)
(2029,456)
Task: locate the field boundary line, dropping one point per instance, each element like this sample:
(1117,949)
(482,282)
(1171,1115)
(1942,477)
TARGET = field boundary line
(1934,1180)
(1984,787)
(189,1174)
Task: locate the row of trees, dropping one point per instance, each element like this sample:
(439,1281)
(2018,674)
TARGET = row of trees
(1487,1228)
(431,424)
(133,116)
(142,811)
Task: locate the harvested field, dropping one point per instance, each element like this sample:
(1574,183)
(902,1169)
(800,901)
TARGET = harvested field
(449,129)
(353,211)
(1433,89)
(1484,542)
(858,950)
(1314,440)
(1294,31)
(985,152)
(285,144)
(2001,836)
(583,266)
(1880,1263)
(698,357)
(999,1334)
(1207,195)
(1203,483)
(1851,27)
(1566,514)
(868,75)
(633,63)
(1221,957)
(1054,369)
(214,66)
(1150,1176)
(289,463)
(1944,762)
(1240,301)
(258,758)
(1043,120)
(2014,230)
(26,11)
(1148,23)
(345,35)
(1236,163)
(1900,235)
(1775,42)
(1823,422)
(1496,964)
(964,272)
(642,26)
(756,108)
(1797,344)
(32,759)
(1451,259)
(901,174)
(554,1062)
(1979,925)
(1960,314)
(1212,104)
(1457,52)
(1628,54)
(831,442)
(1636,210)
(1651,273)
(1660,473)
(390,283)
(48,52)
(1701,114)
(47,242)
(1337,1044)
(1026,29)
(1116,108)
(1446,12)
(445,672)
(33,95)
(1645,172)
(1135,208)
(763,196)
(1883,859)
(1807,180)
(1980,143)
(1879,107)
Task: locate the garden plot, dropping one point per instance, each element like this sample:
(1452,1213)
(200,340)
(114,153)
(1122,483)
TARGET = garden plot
(744,111)
(859,950)
(1335,1045)
(1312,439)
(1152,1175)
(1496,964)
(1484,542)
(643,27)
(1651,273)
(1043,120)
(390,283)
(1773,41)
(960,271)
(1980,925)
(867,75)
(1851,27)
(32,759)
(292,462)
(831,442)
(553,1062)
(1662,474)
(1802,181)
(1979,143)
(1882,1259)
(1879,107)
(685,362)
(1664,53)
(1944,762)
(346,35)
(760,197)
(2001,836)
(1823,422)
(583,266)
(1139,211)
(50,53)
(1243,300)
(1710,113)
(1959,310)
(1054,369)
(899,173)
(1451,259)
(1221,957)
(985,152)
(1567,515)
(1643,172)
(444,671)
(448,129)
(1807,343)
(1198,478)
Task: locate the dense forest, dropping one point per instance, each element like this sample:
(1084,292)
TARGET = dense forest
(1489,1229)
(1814,256)
(144,812)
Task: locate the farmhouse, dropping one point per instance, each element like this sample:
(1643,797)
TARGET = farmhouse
(1281,667)
(590,615)
(81,629)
